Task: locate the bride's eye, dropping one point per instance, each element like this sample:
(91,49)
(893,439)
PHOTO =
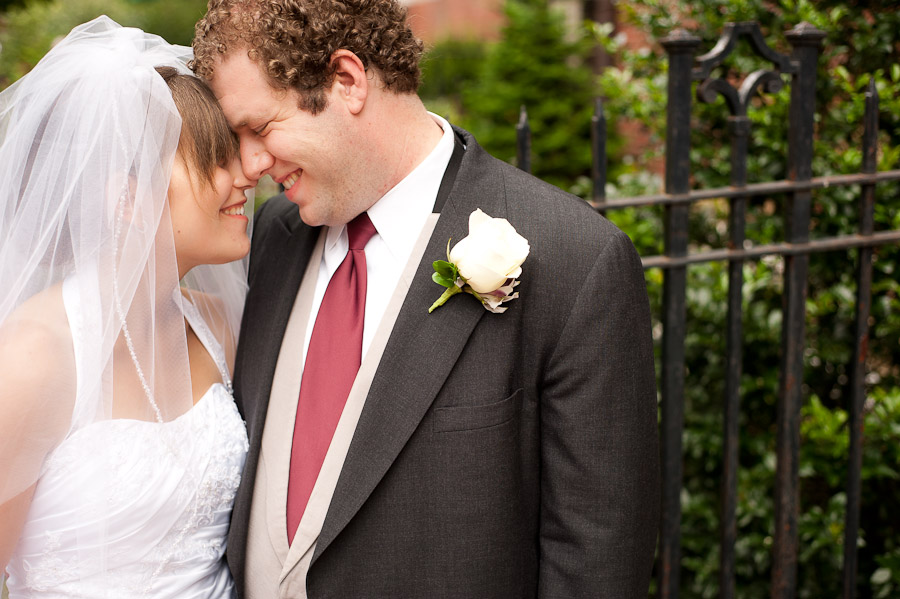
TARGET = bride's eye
(261,130)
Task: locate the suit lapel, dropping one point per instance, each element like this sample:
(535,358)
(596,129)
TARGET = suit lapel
(420,353)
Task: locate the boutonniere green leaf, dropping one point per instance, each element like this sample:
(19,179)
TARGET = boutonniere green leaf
(445,273)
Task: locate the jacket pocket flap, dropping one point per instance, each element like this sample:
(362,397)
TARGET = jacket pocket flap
(465,418)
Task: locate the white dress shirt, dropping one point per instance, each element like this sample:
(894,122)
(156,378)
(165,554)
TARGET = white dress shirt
(398,218)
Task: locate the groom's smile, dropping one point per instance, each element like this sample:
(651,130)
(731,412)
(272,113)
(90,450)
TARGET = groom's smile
(291,179)
(288,183)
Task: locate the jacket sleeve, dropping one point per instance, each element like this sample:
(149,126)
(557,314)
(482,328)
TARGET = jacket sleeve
(599,438)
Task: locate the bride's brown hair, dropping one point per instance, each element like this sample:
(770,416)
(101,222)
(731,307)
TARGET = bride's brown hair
(206,141)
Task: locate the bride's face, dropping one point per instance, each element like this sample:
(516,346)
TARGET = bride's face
(208,222)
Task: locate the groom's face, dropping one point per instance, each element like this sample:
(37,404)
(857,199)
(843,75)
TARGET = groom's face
(310,155)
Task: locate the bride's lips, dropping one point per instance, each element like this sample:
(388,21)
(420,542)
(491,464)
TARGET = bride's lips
(236,209)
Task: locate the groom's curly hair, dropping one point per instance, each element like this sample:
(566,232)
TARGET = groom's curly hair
(294,40)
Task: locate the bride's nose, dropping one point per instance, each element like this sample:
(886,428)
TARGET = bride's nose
(241,180)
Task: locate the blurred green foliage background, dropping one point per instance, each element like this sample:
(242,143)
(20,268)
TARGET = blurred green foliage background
(543,64)
(29,27)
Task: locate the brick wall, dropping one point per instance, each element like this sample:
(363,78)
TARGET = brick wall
(436,20)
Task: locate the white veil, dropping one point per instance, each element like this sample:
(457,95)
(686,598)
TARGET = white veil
(87,145)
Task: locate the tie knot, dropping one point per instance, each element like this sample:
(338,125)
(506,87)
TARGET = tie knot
(360,231)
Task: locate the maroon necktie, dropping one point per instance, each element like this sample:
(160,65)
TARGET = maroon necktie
(332,360)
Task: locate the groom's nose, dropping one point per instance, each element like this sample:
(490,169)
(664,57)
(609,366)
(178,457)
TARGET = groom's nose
(255,160)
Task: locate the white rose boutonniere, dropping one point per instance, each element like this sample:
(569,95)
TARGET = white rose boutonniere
(486,264)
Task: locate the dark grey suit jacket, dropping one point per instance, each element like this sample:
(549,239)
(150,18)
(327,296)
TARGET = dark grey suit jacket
(497,455)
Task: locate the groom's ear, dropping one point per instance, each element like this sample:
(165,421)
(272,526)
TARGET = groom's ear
(351,85)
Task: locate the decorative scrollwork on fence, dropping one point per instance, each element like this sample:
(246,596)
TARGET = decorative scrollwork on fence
(761,80)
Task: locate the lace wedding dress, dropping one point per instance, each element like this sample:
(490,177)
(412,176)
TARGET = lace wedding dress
(162,516)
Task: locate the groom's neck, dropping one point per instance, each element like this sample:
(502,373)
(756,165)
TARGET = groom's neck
(403,134)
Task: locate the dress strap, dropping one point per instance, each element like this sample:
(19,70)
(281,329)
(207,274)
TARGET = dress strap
(206,337)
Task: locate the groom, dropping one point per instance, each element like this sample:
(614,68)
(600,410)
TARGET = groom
(397,452)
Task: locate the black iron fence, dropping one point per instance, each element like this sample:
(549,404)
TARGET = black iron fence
(684,69)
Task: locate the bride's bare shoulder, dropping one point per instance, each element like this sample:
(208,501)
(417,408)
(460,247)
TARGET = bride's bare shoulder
(38,320)
(35,340)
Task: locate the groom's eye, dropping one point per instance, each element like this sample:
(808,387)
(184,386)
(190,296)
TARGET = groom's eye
(260,130)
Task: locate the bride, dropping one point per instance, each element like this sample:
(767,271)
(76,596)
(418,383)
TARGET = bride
(122,234)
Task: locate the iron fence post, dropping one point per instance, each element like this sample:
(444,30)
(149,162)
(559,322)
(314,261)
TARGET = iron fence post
(523,141)
(860,349)
(598,156)
(680,47)
(806,41)
(740,130)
